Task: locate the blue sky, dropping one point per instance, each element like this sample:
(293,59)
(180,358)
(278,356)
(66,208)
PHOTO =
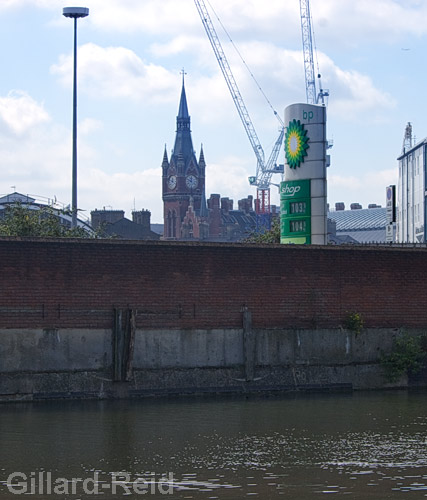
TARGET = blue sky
(130,56)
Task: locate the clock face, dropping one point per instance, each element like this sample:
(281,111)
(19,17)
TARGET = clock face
(191,182)
(172,182)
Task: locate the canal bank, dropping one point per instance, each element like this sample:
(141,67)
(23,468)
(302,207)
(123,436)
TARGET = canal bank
(64,363)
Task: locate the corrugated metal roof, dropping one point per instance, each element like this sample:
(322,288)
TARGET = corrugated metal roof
(363,219)
(371,236)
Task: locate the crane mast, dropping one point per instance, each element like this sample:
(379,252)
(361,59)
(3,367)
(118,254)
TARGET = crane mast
(307,44)
(264,171)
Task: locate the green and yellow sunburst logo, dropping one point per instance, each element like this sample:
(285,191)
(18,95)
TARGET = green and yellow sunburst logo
(296,143)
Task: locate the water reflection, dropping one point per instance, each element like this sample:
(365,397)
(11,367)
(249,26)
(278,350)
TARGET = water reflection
(370,445)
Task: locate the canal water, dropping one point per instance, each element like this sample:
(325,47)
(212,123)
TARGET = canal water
(361,446)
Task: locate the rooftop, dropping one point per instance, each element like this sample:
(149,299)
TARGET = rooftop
(359,220)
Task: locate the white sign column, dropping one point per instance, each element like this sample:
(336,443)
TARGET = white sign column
(306,159)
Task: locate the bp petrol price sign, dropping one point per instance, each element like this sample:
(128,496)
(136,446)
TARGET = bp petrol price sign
(303,194)
(295,212)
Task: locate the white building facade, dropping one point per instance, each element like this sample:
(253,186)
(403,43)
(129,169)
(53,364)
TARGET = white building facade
(411,196)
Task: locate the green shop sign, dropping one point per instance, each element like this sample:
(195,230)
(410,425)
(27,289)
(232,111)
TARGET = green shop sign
(295,212)
(295,189)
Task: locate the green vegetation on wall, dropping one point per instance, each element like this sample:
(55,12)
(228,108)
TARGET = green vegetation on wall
(353,322)
(407,357)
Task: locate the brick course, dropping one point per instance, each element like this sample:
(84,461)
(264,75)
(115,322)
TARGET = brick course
(78,283)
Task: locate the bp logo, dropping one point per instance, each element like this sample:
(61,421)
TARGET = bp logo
(296,143)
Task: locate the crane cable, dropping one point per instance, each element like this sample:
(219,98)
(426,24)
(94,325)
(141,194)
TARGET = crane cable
(247,67)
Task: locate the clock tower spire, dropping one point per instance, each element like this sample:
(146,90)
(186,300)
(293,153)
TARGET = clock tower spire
(183,175)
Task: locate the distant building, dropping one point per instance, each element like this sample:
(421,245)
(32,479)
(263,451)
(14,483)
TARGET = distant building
(187,214)
(36,202)
(114,223)
(358,225)
(411,205)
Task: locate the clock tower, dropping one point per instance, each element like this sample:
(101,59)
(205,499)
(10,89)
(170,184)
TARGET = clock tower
(183,180)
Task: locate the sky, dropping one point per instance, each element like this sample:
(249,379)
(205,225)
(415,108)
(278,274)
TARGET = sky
(130,57)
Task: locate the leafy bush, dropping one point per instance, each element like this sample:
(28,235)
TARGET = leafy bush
(20,220)
(269,237)
(406,357)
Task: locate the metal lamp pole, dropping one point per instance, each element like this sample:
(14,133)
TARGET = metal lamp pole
(75,13)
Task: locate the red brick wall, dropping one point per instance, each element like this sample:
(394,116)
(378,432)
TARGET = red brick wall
(60,284)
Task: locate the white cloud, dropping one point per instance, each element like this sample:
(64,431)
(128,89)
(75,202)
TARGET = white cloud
(349,22)
(365,189)
(40,164)
(122,191)
(350,182)
(37,164)
(183,43)
(280,74)
(15,4)
(150,16)
(20,112)
(353,94)
(116,72)
(231,172)
(229,178)
(90,125)
(363,22)
(346,21)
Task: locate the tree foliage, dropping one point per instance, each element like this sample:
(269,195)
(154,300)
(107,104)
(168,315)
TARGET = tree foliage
(269,237)
(20,220)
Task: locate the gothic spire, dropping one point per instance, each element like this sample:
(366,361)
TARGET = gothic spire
(183,142)
(183,108)
(165,162)
(165,156)
(202,156)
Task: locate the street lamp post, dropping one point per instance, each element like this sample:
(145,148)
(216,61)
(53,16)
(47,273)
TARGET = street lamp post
(75,13)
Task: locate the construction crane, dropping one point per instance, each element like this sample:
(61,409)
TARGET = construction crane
(307,43)
(264,171)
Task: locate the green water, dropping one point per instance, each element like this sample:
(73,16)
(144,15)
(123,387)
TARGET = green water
(363,445)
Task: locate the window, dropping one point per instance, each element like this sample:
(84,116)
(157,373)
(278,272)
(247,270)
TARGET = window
(169,225)
(174,224)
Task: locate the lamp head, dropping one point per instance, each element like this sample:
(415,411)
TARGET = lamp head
(75,12)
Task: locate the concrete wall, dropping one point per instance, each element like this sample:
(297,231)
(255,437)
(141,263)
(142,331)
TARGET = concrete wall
(69,363)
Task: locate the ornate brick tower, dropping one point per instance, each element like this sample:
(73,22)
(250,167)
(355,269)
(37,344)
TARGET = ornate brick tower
(183,182)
